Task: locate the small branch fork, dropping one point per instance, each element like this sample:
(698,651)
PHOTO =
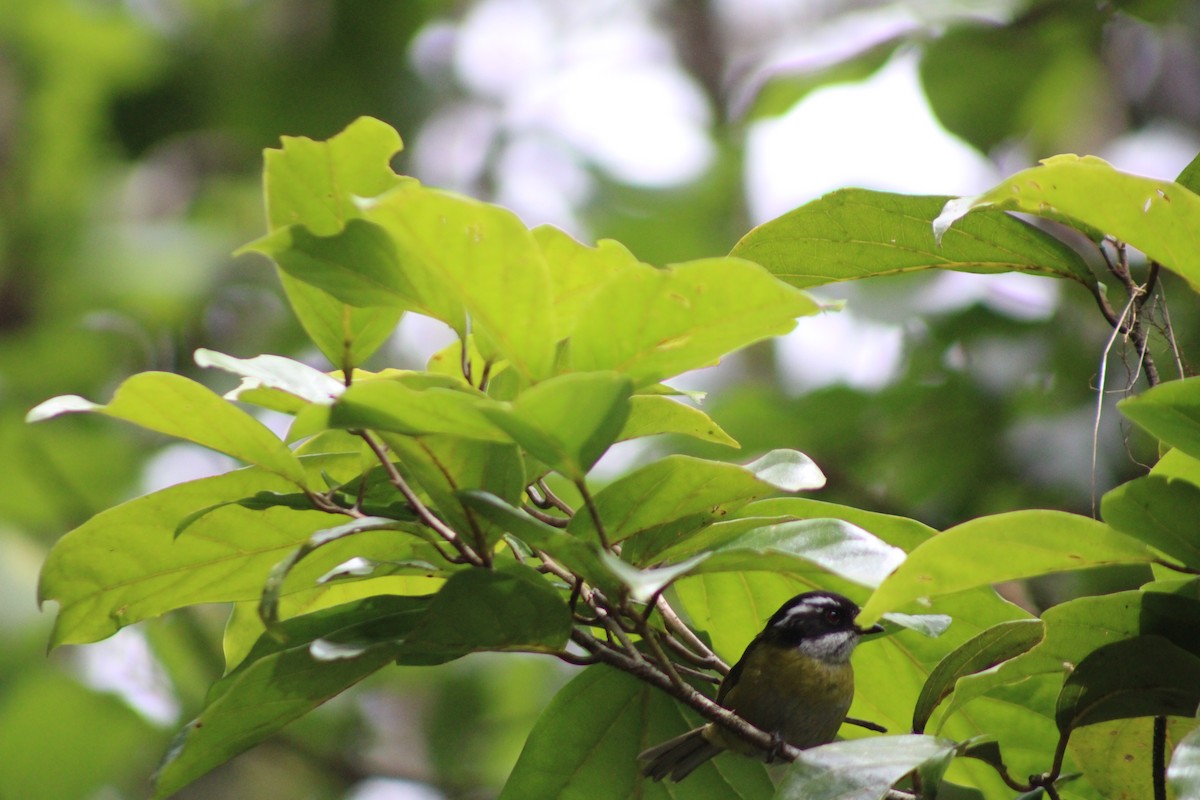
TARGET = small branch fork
(1130,323)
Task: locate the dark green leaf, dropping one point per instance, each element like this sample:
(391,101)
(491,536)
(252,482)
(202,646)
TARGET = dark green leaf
(1190,177)
(585,745)
(862,769)
(1160,512)
(996,644)
(856,233)
(1144,676)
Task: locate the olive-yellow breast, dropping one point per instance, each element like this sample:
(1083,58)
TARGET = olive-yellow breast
(794,681)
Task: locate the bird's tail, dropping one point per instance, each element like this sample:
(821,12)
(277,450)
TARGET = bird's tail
(676,758)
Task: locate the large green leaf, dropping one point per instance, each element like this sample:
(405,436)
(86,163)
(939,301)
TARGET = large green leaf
(1145,676)
(654,323)
(577,272)
(471,259)
(856,233)
(863,769)
(223,556)
(666,500)
(569,421)
(988,550)
(314,184)
(1076,628)
(412,405)
(585,747)
(177,406)
(1159,511)
(1118,757)
(1170,411)
(1160,218)
(324,653)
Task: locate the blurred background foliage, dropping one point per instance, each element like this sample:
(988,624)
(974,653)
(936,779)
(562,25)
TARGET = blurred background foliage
(130,156)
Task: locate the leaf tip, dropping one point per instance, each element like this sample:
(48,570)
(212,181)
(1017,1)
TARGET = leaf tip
(63,404)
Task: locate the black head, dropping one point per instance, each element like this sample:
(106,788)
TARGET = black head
(817,621)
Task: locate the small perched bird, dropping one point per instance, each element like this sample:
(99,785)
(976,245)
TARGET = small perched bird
(794,681)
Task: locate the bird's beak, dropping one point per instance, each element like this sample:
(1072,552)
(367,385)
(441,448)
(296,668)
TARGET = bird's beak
(876,628)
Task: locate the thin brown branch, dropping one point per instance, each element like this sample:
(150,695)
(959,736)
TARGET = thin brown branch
(420,509)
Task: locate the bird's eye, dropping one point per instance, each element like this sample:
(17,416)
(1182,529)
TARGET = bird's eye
(833,616)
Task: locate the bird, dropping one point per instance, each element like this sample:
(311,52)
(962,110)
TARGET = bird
(794,681)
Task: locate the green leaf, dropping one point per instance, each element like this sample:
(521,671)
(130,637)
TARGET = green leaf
(1076,628)
(838,547)
(176,406)
(586,742)
(668,499)
(569,421)
(1144,676)
(654,323)
(852,234)
(863,769)
(1117,757)
(901,532)
(345,335)
(413,405)
(314,184)
(328,651)
(224,556)
(651,415)
(1190,176)
(780,92)
(577,272)
(358,265)
(471,259)
(1002,547)
(253,703)
(1169,411)
(1157,217)
(1160,512)
(1183,772)
(995,645)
